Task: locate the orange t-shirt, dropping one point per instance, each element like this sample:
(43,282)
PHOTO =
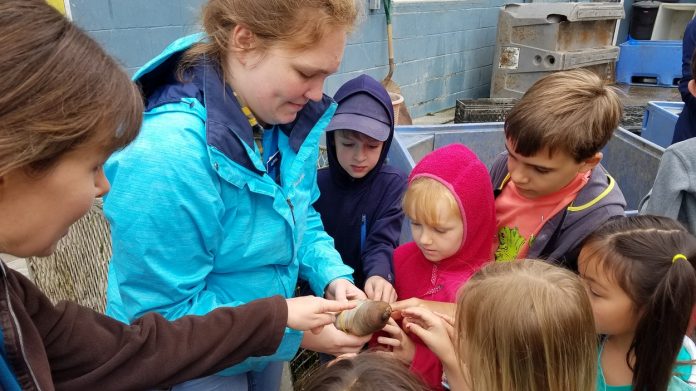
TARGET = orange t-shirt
(519,219)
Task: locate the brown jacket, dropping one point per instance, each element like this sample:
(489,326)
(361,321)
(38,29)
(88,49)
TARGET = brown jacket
(69,347)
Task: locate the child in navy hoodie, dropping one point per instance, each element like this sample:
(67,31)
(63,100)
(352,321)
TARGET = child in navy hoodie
(360,202)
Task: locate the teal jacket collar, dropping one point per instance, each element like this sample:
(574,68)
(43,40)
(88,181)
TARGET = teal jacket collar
(204,82)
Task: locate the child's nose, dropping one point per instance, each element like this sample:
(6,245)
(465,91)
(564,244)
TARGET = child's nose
(425,237)
(360,154)
(517,175)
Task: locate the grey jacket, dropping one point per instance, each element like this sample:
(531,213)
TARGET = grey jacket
(559,239)
(674,191)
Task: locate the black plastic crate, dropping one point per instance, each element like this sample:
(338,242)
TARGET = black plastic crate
(633,118)
(482,110)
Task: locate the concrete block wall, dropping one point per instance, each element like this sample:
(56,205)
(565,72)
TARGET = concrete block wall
(134,31)
(443,48)
(443,51)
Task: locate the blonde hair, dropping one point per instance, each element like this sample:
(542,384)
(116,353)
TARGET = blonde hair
(293,24)
(527,326)
(60,90)
(423,198)
(575,112)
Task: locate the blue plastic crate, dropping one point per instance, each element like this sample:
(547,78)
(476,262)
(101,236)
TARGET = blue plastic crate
(659,121)
(649,62)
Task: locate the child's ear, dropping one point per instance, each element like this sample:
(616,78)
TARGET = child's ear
(692,87)
(591,162)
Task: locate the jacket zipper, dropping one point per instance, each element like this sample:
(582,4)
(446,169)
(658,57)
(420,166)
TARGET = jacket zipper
(363,232)
(292,210)
(19,330)
(289,293)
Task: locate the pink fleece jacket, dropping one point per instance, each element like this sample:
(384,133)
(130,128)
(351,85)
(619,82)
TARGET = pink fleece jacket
(460,170)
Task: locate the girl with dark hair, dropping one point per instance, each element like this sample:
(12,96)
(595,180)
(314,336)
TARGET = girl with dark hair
(639,274)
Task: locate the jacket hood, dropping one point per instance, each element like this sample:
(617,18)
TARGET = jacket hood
(560,237)
(362,84)
(224,117)
(461,171)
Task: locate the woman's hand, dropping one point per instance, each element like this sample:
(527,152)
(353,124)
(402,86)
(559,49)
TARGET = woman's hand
(342,290)
(313,313)
(333,341)
(402,347)
(377,288)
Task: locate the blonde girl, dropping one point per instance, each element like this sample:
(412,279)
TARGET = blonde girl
(65,107)
(519,326)
(640,278)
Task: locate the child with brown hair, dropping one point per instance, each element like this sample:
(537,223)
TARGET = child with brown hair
(519,326)
(360,201)
(449,202)
(640,277)
(66,106)
(368,371)
(551,191)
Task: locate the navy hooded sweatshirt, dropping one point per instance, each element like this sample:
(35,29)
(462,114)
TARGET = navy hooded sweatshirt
(685,127)
(363,216)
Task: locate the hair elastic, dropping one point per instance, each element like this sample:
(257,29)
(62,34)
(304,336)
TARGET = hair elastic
(679,256)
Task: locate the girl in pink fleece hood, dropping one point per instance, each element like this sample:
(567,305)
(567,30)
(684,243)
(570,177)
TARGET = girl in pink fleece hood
(449,203)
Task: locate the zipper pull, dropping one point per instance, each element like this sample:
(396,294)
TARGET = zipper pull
(292,210)
(363,232)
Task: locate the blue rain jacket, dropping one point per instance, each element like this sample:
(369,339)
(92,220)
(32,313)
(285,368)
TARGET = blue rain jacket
(196,221)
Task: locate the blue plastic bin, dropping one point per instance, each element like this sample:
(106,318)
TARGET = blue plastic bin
(659,121)
(649,62)
(630,159)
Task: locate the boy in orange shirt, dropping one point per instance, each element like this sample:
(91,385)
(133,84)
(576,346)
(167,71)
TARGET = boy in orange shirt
(551,191)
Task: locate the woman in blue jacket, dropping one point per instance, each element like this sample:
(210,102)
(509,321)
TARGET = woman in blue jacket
(212,204)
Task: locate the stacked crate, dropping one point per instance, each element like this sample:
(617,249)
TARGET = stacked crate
(535,39)
(650,62)
(658,60)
